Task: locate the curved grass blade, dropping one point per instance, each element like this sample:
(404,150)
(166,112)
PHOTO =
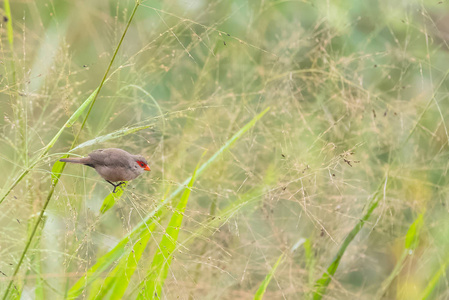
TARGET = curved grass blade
(110,199)
(45,150)
(118,280)
(57,168)
(411,242)
(263,286)
(225,147)
(96,270)
(106,260)
(412,237)
(434,281)
(9,28)
(310,259)
(10,33)
(116,283)
(111,136)
(247,201)
(322,283)
(55,180)
(162,259)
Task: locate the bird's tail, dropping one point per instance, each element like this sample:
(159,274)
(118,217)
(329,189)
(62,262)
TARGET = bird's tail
(82,160)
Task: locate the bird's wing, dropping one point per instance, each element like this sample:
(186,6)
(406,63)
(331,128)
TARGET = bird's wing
(109,157)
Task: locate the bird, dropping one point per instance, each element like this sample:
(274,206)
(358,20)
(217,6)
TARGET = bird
(113,164)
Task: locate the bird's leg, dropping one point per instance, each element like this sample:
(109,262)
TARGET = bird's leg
(115,185)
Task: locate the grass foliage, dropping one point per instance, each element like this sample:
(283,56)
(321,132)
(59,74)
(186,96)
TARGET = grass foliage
(324,128)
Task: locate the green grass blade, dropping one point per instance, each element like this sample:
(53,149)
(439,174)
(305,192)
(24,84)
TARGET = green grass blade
(110,199)
(39,284)
(9,28)
(115,285)
(94,290)
(225,147)
(310,260)
(57,168)
(105,261)
(322,283)
(10,33)
(162,259)
(434,281)
(118,280)
(309,256)
(412,237)
(45,150)
(411,242)
(72,119)
(111,136)
(263,286)
(55,180)
(98,268)
(247,200)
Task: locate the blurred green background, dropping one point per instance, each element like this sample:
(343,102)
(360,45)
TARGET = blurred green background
(358,102)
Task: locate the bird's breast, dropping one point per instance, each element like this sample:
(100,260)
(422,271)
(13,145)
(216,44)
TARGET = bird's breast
(116,174)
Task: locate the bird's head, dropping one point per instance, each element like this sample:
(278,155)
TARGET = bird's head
(142,163)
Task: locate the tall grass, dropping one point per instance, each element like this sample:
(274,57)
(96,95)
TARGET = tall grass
(338,191)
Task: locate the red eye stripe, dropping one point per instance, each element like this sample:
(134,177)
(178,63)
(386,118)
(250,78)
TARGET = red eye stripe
(144,165)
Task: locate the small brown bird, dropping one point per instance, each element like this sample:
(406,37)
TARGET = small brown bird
(113,164)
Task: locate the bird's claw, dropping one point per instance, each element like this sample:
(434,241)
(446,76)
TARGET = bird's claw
(116,185)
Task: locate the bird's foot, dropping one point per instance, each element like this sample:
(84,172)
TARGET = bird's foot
(119,184)
(116,185)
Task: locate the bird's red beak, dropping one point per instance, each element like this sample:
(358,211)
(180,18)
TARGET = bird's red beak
(147,168)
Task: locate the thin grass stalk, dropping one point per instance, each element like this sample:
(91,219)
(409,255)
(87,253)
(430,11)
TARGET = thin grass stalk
(56,177)
(228,144)
(434,281)
(119,250)
(322,283)
(47,148)
(115,285)
(411,242)
(162,259)
(218,220)
(197,273)
(263,286)
(10,33)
